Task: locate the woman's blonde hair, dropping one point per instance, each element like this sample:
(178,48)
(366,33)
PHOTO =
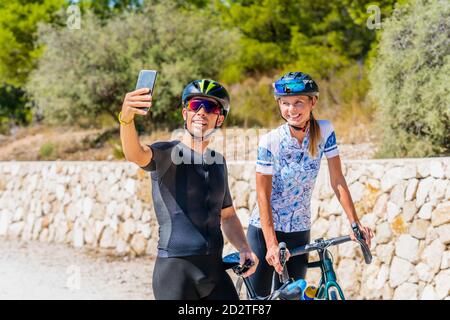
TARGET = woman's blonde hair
(314,136)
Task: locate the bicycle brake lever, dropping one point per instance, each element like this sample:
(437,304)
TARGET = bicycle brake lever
(357,231)
(284,276)
(362,242)
(241,269)
(282,247)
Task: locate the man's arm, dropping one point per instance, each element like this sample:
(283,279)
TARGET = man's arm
(232,228)
(132,148)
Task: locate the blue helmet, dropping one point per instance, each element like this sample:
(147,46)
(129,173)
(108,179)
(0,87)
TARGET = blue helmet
(294,84)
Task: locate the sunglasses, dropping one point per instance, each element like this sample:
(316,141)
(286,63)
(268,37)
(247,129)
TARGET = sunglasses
(289,87)
(208,105)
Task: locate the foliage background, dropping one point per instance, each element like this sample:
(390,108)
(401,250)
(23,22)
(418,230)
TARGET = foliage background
(386,84)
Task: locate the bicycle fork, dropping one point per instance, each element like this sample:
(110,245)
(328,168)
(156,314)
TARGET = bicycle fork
(328,278)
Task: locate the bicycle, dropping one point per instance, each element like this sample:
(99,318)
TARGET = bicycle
(328,288)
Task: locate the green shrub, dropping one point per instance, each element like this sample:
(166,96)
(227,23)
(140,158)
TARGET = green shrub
(117,150)
(343,99)
(85,73)
(253,104)
(47,150)
(410,78)
(14,109)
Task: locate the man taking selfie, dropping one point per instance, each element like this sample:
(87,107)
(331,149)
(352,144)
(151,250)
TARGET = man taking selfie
(191,196)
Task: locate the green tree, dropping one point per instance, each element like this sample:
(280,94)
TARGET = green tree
(324,35)
(18,26)
(328,39)
(106,9)
(18,54)
(409,79)
(84,73)
(14,108)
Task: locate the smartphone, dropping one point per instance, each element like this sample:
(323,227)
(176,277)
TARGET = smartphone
(147,79)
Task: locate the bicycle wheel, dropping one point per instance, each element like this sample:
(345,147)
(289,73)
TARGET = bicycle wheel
(333,295)
(238,287)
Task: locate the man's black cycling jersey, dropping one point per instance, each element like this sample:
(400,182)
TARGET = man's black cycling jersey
(189,191)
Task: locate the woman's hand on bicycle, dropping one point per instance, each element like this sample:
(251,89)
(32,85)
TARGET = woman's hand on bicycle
(273,257)
(134,102)
(247,255)
(367,233)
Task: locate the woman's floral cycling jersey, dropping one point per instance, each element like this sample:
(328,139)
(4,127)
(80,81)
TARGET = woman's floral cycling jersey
(294,174)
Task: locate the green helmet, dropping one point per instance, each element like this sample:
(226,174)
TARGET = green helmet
(209,89)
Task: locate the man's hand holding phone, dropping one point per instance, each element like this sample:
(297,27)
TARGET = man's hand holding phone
(139,101)
(135,102)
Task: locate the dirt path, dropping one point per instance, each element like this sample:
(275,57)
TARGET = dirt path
(37,270)
(68,145)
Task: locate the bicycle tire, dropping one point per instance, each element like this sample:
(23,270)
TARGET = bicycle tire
(333,295)
(238,285)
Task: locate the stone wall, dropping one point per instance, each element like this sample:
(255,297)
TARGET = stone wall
(97,204)
(107,205)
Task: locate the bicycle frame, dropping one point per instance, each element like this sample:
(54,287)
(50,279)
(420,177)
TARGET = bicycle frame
(328,285)
(328,278)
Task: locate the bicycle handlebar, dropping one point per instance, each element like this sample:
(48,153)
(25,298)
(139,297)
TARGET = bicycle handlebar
(232,260)
(321,244)
(362,242)
(284,275)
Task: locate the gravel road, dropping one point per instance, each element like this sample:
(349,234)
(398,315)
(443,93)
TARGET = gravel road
(35,270)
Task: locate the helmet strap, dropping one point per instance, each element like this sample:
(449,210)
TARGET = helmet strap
(302,129)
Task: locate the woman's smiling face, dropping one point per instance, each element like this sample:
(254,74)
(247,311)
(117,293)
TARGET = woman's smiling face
(296,110)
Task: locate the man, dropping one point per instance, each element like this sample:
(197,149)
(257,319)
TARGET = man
(191,196)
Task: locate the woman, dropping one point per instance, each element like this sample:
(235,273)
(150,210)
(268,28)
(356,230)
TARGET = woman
(191,196)
(287,166)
